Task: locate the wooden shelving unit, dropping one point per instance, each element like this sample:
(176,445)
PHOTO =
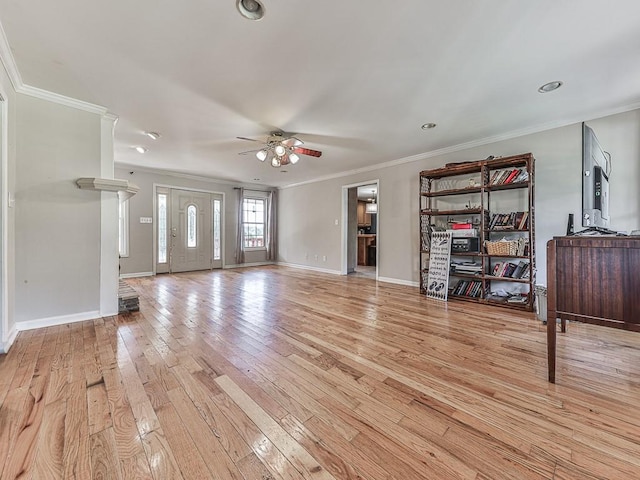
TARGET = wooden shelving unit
(473,192)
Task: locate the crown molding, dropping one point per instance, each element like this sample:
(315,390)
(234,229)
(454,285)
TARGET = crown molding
(9,63)
(6,56)
(62,99)
(187,176)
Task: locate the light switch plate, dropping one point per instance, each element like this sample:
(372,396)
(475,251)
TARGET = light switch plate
(146,220)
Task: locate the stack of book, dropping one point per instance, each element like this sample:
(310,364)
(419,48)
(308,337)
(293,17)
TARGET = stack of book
(468,288)
(511,270)
(503,177)
(518,299)
(509,221)
(466,267)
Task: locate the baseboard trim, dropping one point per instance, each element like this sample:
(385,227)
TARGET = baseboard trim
(6,345)
(398,281)
(60,320)
(307,267)
(136,275)
(243,265)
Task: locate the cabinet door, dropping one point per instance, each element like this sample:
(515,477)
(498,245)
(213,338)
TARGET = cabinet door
(362,251)
(361,213)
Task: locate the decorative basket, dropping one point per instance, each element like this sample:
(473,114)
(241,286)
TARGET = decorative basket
(502,247)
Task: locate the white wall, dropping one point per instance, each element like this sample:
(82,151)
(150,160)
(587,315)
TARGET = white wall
(140,259)
(307,224)
(57,225)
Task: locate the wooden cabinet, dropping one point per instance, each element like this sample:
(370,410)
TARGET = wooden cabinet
(364,242)
(592,279)
(497,197)
(364,218)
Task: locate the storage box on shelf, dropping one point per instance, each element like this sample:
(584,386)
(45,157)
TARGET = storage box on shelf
(471,200)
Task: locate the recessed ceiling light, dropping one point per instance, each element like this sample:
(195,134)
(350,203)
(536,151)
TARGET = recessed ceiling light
(251,9)
(153,135)
(428,126)
(550,87)
(141,149)
(284,171)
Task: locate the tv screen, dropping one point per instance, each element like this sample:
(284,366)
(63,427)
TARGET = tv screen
(596,168)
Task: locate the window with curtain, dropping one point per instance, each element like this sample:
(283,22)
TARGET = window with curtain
(253,222)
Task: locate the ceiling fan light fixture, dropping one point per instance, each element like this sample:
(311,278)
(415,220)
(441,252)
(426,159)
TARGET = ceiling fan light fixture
(262,155)
(275,162)
(293,158)
(251,9)
(280,150)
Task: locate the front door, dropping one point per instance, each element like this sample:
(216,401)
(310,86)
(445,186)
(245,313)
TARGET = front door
(189,230)
(191,245)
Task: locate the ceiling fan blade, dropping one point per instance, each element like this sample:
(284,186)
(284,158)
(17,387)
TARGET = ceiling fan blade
(250,139)
(249,151)
(292,142)
(307,151)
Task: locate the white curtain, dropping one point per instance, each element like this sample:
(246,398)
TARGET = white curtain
(240,233)
(272,227)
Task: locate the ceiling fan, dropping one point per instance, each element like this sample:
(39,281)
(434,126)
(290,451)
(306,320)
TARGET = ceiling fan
(281,148)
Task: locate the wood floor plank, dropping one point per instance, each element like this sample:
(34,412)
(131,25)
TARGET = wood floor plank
(20,459)
(50,448)
(329,459)
(203,399)
(13,418)
(300,458)
(76,453)
(98,408)
(191,464)
(160,456)
(207,443)
(104,457)
(251,467)
(274,373)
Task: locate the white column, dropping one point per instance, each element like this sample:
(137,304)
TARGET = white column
(109,261)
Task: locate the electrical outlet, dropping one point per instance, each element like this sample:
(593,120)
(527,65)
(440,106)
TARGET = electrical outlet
(324,258)
(335,222)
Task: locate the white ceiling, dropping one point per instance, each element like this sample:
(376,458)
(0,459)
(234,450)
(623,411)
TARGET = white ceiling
(353,79)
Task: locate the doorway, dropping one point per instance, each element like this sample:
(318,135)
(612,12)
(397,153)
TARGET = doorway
(188,236)
(360,232)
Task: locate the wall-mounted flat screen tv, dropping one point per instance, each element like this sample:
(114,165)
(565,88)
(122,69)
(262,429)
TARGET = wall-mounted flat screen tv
(596,168)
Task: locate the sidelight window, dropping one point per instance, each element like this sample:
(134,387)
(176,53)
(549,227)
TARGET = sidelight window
(162,228)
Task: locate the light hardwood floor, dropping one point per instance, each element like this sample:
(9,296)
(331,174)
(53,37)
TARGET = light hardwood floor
(277,373)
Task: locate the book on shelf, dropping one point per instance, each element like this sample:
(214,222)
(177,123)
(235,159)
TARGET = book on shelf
(507,176)
(461,226)
(509,221)
(514,173)
(468,288)
(511,270)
